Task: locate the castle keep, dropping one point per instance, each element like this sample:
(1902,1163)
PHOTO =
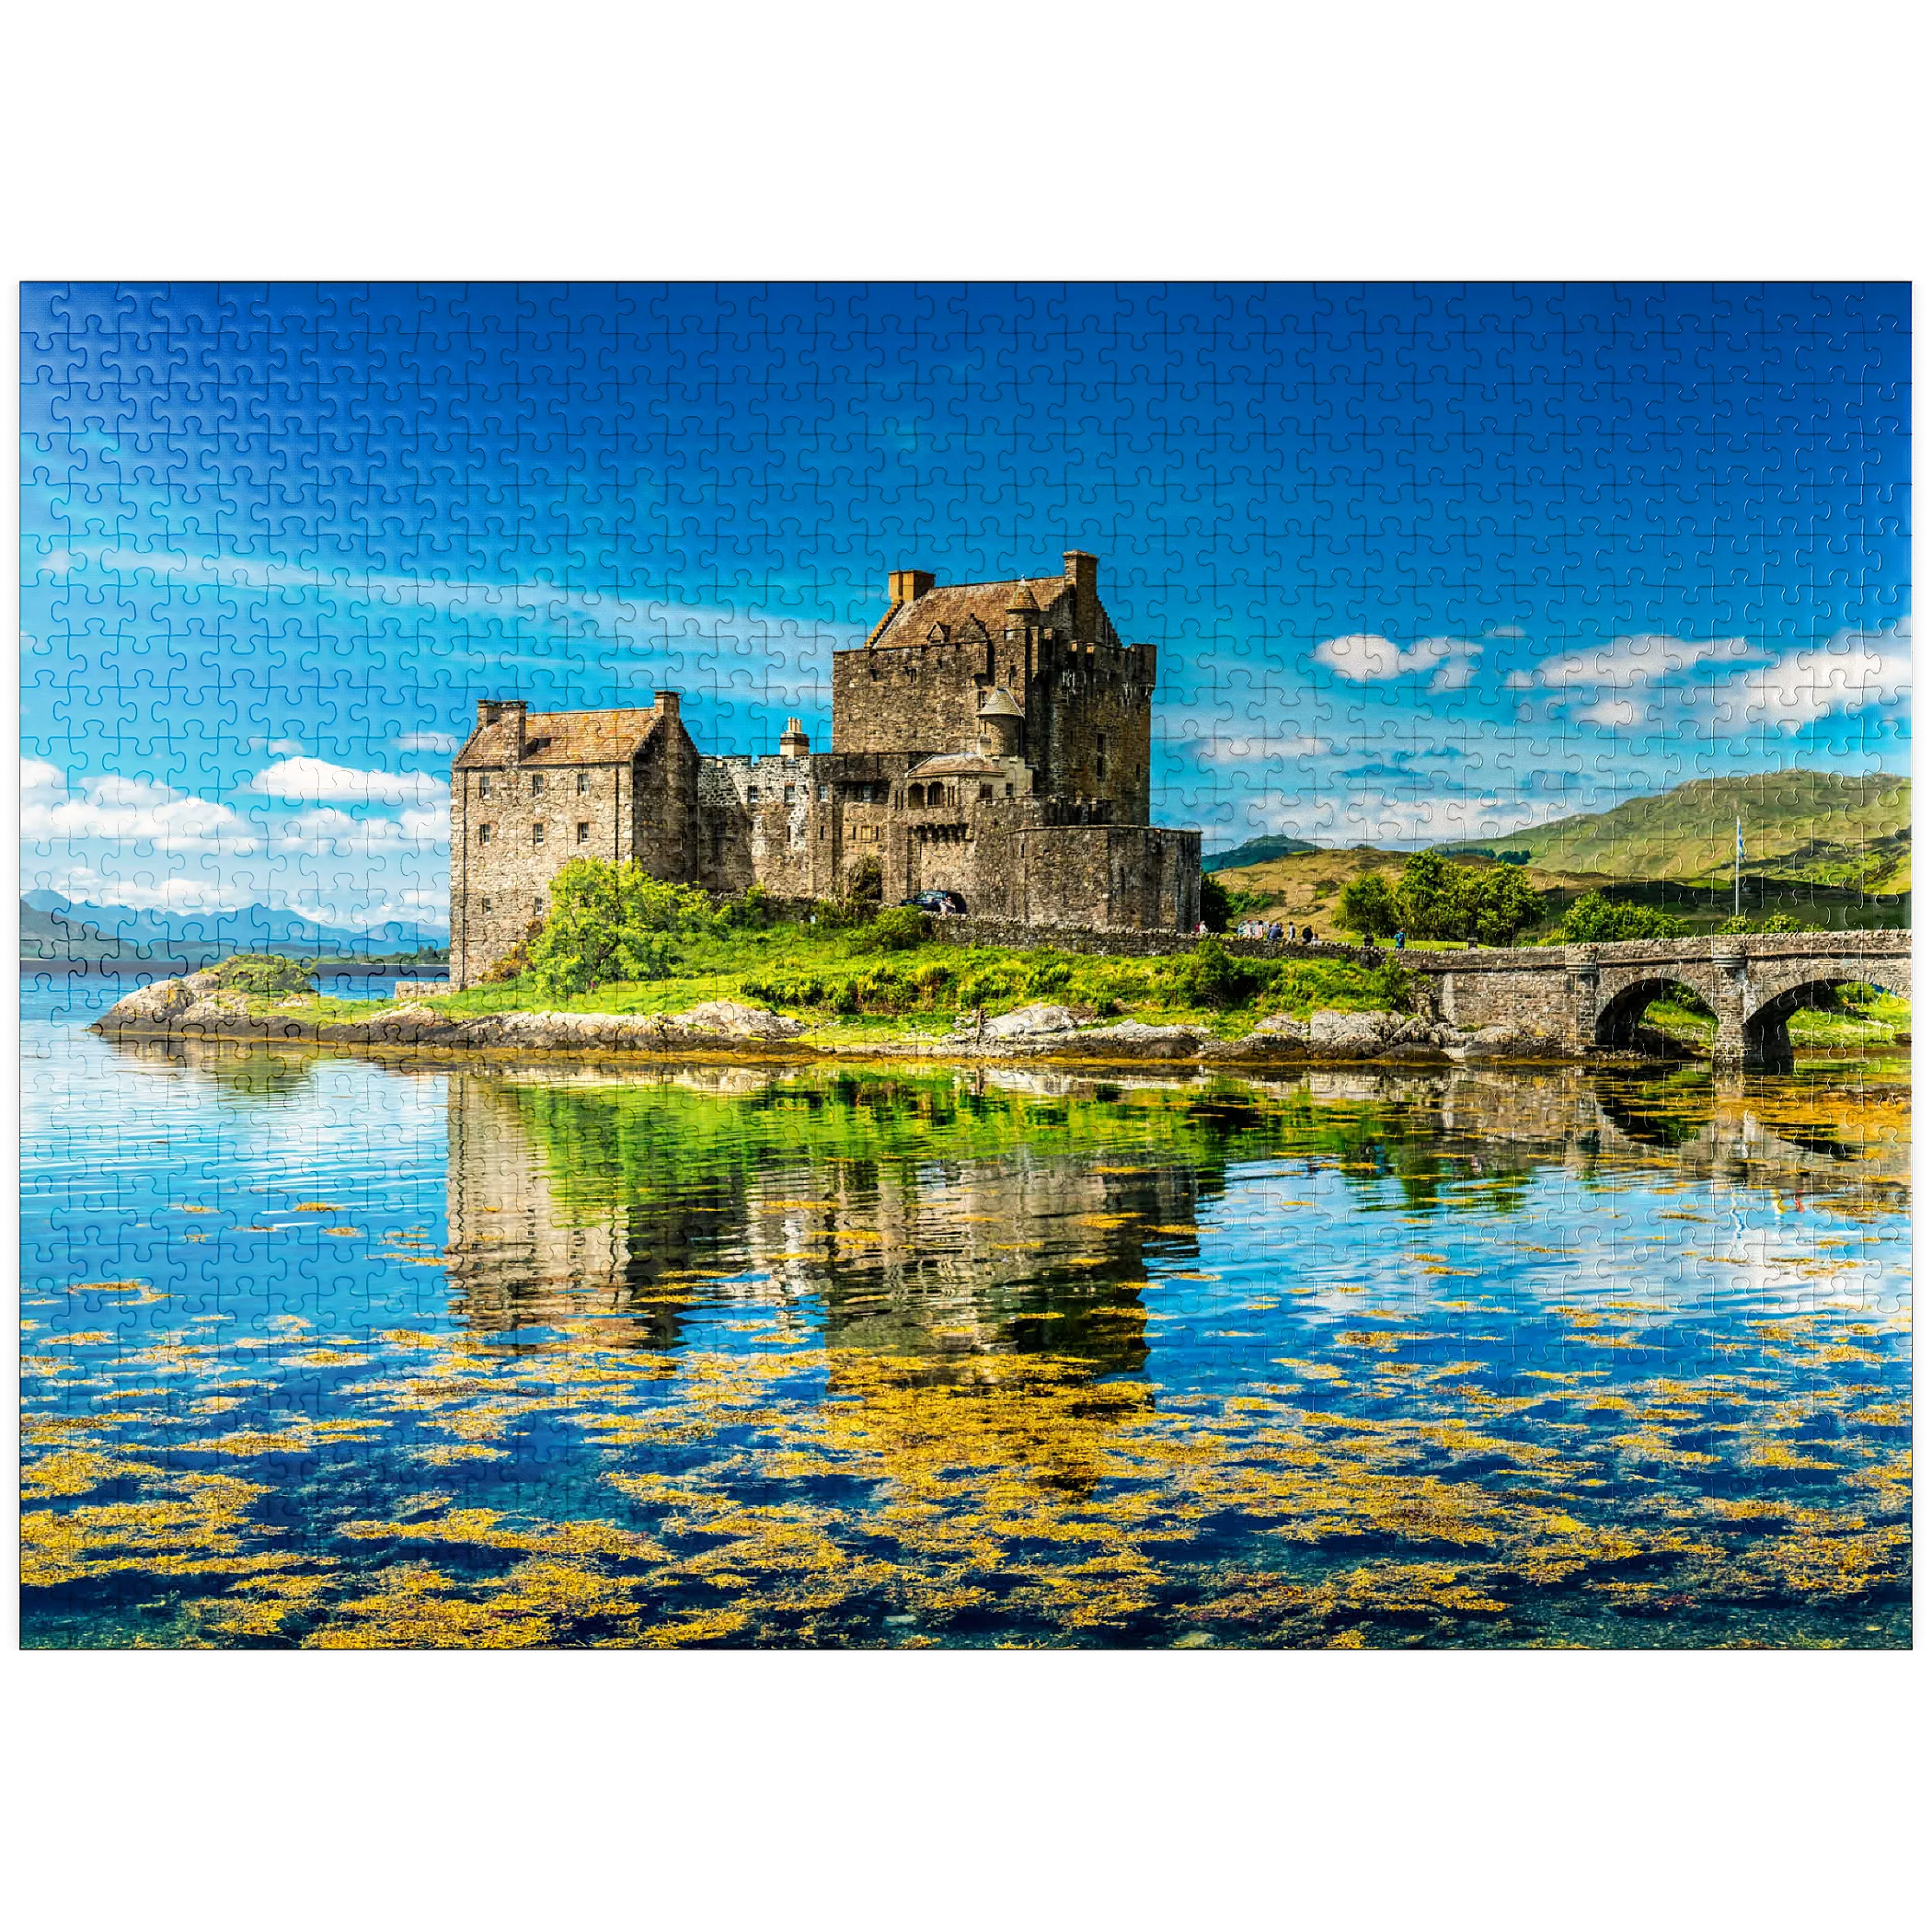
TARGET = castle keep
(990,740)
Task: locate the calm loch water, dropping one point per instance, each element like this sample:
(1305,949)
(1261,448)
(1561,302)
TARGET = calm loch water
(326,1350)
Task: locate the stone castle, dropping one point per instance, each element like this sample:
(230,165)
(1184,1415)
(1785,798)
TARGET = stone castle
(990,740)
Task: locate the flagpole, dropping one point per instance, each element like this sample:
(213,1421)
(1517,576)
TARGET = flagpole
(1737,874)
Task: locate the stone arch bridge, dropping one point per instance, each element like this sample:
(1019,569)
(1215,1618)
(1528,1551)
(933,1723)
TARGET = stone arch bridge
(1585,996)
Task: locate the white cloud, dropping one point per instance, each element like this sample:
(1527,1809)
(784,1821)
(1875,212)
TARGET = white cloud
(305,781)
(84,884)
(1374,817)
(111,807)
(330,832)
(1240,751)
(439,742)
(1856,669)
(1624,664)
(1613,713)
(1366,657)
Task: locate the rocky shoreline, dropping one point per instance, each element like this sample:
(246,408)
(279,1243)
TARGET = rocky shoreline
(196,1008)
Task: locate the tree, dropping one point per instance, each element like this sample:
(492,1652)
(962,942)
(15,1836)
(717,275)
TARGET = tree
(1504,902)
(1368,907)
(1593,917)
(609,922)
(1216,908)
(1429,899)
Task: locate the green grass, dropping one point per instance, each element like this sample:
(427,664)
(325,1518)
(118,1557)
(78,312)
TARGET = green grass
(848,992)
(1875,1023)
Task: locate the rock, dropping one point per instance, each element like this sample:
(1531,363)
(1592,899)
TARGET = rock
(1038,1021)
(1351,1033)
(1281,1026)
(152,1005)
(1503,1042)
(158,1005)
(1135,1039)
(727,1018)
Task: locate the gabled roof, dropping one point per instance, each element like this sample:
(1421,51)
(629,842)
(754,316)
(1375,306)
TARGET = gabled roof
(560,738)
(953,607)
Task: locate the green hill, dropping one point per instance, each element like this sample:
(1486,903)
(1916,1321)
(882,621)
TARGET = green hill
(1256,852)
(1812,825)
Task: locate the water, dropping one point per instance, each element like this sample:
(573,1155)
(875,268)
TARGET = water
(330,1348)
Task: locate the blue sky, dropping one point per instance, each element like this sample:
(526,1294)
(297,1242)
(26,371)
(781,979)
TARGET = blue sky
(1421,562)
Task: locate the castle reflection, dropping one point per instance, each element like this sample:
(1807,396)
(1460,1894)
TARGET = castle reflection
(953,1214)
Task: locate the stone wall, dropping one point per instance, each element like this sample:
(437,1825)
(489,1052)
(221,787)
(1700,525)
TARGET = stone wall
(917,699)
(1089,715)
(500,882)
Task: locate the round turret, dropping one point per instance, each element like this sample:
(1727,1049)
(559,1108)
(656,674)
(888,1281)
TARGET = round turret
(1001,724)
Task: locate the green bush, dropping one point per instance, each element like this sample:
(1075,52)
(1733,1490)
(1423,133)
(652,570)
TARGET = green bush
(751,911)
(897,929)
(1593,918)
(265,975)
(1777,923)
(609,922)
(1216,903)
(1212,976)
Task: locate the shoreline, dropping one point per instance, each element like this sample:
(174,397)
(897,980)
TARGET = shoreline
(184,1010)
(196,1008)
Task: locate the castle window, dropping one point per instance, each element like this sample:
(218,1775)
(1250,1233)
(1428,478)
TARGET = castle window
(487,905)
(1009,791)
(915,795)
(1101,757)
(751,794)
(483,786)
(537,833)
(536,784)
(791,793)
(985,791)
(485,833)
(583,832)
(824,791)
(537,906)
(584,782)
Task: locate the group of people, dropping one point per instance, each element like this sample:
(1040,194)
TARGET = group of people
(1274,931)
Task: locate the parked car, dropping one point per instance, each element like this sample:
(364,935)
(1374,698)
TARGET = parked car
(948,904)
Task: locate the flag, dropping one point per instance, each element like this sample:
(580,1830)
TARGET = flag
(1741,841)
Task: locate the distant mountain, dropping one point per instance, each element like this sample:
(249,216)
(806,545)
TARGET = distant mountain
(1256,852)
(54,926)
(1799,822)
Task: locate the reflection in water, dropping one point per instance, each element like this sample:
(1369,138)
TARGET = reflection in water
(577,1355)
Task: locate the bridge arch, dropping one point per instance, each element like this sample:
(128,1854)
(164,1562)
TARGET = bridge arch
(1774,998)
(1620,1009)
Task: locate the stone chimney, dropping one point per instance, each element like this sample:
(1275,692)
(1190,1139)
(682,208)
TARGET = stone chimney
(666,703)
(794,743)
(1083,572)
(514,712)
(905,586)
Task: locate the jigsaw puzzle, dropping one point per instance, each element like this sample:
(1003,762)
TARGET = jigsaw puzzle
(898,966)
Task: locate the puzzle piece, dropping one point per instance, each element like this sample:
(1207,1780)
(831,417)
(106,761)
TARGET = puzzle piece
(649,1231)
